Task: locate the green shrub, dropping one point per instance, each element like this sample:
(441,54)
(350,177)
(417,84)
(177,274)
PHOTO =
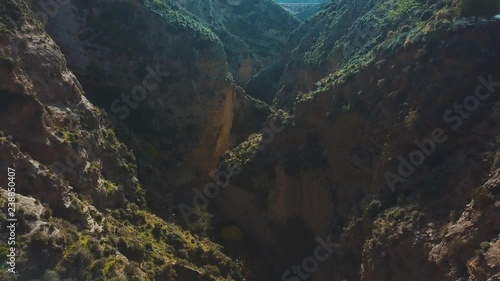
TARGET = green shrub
(77,263)
(372,209)
(69,137)
(110,187)
(203,224)
(482,198)
(485,246)
(132,249)
(6,61)
(168,273)
(12,13)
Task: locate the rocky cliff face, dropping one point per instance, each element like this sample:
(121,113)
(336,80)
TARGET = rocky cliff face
(81,208)
(366,99)
(385,151)
(162,73)
(253,32)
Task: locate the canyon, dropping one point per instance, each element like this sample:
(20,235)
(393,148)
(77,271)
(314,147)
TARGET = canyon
(231,140)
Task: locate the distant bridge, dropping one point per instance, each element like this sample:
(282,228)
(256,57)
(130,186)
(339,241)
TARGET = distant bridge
(297,7)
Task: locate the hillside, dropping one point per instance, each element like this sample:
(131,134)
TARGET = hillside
(253,31)
(364,84)
(225,140)
(83,196)
(309,12)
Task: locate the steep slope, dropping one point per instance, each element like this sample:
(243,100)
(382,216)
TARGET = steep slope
(164,74)
(253,31)
(392,149)
(386,157)
(80,209)
(342,34)
(304,15)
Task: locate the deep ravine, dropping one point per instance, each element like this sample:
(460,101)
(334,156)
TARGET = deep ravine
(231,140)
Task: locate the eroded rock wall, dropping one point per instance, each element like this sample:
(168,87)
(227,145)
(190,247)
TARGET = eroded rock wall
(161,72)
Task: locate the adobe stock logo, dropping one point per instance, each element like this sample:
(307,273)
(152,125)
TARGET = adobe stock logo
(311,264)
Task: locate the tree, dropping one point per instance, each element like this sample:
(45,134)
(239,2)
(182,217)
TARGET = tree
(479,8)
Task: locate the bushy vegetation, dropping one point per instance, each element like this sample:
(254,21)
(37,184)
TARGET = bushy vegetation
(372,209)
(68,137)
(133,245)
(12,13)
(202,224)
(482,197)
(242,154)
(355,34)
(178,20)
(118,26)
(398,12)
(109,187)
(394,223)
